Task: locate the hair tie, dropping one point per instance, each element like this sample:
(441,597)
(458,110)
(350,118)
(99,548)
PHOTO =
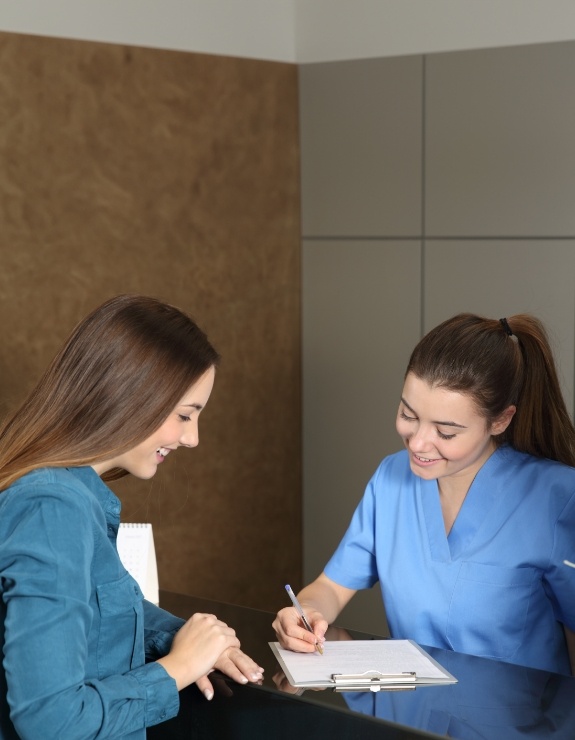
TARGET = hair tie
(506,326)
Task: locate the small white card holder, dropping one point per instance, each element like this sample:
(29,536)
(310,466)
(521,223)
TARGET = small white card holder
(136,549)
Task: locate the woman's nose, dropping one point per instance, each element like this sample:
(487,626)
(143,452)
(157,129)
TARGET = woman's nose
(421,438)
(190,437)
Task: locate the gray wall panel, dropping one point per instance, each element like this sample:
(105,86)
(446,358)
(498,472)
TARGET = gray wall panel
(500,147)
(361,147)
(361,318)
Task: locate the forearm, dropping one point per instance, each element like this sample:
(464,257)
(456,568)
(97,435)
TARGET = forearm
(326,597)
(111,707)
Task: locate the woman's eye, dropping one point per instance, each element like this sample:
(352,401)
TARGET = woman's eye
(183,418)
(406,417)
(445,436)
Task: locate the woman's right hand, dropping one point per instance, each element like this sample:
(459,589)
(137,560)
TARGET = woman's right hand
(197,647)
(293,635)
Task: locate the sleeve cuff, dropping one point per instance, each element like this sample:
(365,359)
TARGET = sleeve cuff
(162,698)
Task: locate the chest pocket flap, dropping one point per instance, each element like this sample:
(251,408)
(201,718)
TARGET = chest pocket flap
(121,634)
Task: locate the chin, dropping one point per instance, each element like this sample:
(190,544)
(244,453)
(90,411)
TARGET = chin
(144,474)
(425,474)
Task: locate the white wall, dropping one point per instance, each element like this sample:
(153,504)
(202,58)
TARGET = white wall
(330,30)
(297,30)
(262,29)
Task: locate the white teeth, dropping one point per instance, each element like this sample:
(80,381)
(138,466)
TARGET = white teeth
(162,451)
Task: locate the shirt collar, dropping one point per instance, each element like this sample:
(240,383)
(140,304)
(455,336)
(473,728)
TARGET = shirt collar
(108,500)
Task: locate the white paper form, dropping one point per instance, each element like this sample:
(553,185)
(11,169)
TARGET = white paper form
(357,657)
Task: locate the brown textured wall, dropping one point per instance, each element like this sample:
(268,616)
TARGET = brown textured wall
(176,175)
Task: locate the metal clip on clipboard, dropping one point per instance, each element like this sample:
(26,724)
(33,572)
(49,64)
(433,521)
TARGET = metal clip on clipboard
(373,680)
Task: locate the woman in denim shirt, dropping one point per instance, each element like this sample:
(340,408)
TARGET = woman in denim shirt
(84,655)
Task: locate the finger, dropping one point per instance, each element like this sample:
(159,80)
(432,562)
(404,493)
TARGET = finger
(232,642)
(297,639)
(303,642)
(232,671)
(291,632)
(205,686)
(202,615)
(286,621)
(299,632)
(282,684)
(241,667)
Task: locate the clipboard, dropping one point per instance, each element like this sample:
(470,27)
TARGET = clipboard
(373,680)
(362,665)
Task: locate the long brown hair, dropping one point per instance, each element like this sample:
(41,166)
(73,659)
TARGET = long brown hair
(114,382)
(500,363)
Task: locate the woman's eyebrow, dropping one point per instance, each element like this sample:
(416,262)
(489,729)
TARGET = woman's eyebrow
(441,423)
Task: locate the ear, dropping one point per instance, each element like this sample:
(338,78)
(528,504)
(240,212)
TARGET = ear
(503,421)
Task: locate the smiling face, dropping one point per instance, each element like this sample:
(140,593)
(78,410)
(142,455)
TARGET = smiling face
(443,432)
(180,429)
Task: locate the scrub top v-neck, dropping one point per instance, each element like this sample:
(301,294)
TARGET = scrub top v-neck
(476,507)
(497,585)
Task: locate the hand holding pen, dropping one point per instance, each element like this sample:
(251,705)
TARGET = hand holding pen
(302,616)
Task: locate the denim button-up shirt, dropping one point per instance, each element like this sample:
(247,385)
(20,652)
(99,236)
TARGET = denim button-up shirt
(74,627)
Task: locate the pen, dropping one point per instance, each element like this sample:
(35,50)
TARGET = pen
(565,562)
(302,616)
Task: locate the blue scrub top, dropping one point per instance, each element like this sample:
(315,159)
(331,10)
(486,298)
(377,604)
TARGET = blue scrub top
(497,586)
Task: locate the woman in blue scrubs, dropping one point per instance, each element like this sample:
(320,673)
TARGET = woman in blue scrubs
(84,655)
(471,527)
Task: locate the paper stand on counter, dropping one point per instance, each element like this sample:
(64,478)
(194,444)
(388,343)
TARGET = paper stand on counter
(136,549)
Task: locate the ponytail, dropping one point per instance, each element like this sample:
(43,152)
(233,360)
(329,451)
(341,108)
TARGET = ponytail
(541,425)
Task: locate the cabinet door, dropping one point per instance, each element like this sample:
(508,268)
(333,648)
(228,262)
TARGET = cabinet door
(361,146)
(500,158)
(361,319)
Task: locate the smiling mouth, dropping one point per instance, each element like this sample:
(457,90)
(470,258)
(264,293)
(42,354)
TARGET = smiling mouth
(425,459)
(163,451)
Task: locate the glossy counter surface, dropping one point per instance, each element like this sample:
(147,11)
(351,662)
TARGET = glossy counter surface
(492,700)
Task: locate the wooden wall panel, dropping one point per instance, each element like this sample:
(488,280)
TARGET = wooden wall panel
(176,175)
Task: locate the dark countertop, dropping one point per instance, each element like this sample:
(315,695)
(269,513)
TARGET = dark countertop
(491,700)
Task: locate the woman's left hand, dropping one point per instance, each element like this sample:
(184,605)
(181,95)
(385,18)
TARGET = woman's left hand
(235,664)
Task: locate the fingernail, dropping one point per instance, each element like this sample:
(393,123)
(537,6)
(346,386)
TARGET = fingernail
(209,694)
(243,679)
(256,676)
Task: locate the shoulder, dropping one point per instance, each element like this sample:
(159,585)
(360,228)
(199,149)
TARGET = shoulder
(525,465)
(52,479)
(48,488)
(394,468)
(391,479)
(49,523)
(546,480)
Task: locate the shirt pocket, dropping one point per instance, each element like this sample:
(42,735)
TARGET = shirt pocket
(121,634)
(489,609)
